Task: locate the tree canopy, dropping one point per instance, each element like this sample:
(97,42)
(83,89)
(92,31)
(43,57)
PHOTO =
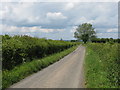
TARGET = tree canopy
(85,32)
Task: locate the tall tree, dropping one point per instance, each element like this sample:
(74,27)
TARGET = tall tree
(85,32)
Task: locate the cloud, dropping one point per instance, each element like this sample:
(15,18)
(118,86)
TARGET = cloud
(48,14)
(112,30)
(34,29)
(107,35)
(55,15)
(69,6)
(73,29)
(48,17)
(80,20)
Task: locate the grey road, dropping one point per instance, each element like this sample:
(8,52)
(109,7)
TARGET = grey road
(66,73)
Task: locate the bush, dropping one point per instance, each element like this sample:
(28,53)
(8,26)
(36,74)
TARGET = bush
(102,65)
(20,49)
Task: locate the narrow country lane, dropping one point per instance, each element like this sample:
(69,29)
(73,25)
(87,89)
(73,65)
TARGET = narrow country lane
(66,73)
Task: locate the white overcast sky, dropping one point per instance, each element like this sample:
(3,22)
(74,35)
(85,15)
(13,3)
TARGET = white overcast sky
(56,20)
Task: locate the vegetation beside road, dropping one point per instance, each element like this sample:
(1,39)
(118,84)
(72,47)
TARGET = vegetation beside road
(21,49)
(22,71)
(24,55)
(102,65)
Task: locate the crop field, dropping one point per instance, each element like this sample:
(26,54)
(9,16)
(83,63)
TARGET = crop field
(102,65)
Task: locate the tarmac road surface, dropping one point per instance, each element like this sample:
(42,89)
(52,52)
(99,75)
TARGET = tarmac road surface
(66,73)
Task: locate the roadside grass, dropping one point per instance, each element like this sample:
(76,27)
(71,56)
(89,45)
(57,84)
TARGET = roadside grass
(102,66)
(28,68)
(94,71)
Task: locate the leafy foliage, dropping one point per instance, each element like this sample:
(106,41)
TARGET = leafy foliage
(105,40)
(84,32)
(21,49)
(103,65)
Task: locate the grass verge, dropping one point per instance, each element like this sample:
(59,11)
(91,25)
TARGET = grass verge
(102,66)
(95,74)
(24,70)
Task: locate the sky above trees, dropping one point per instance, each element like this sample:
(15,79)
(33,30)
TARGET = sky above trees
(56,20)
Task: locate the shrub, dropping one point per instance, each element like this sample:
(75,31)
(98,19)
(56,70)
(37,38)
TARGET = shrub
(102,65)
(20,49)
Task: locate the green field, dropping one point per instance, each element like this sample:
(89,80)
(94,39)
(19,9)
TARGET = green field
(102,65)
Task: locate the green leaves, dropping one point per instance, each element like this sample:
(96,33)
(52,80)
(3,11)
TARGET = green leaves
(84,32)
(103,65)
(20,49)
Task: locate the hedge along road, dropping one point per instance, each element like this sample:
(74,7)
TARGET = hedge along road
(66,73)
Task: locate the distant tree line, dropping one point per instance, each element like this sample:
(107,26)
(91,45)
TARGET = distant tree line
(101,40)
(105,40)
(74,40)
